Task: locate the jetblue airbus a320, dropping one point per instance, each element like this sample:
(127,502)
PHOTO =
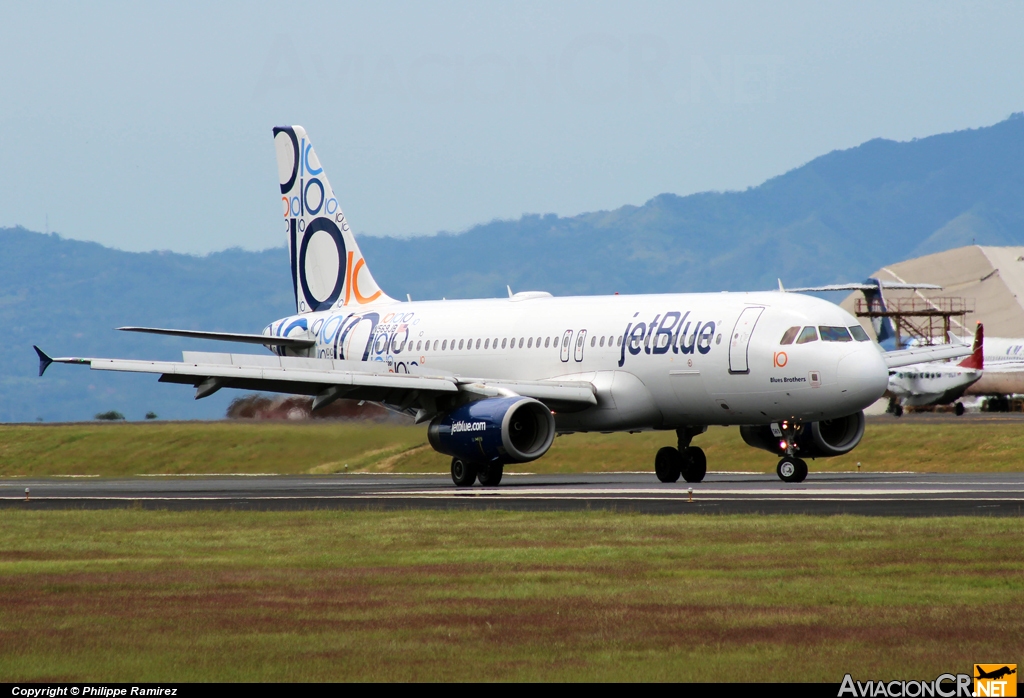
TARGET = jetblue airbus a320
(497,379)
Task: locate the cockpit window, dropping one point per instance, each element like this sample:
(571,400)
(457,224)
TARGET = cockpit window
(808,335)
(834,334)
(859,334)
(790,335)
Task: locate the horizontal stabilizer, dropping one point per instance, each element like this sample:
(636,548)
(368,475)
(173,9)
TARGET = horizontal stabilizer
(922,354)
(44,360)
(293,342)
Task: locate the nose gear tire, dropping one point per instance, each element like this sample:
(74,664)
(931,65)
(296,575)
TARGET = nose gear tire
(792,469)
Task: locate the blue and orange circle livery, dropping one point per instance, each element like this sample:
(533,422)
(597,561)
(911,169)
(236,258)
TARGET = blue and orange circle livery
(328,226)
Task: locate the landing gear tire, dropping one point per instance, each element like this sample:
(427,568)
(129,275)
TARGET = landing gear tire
(897,410)
(668,464)
(792,469)
(490,475)
(695,464)
(463,472)
(959,409)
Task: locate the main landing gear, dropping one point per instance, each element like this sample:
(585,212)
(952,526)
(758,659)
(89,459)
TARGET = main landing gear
(465,473)
(687,461)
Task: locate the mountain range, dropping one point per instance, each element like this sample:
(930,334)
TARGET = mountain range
(836,218)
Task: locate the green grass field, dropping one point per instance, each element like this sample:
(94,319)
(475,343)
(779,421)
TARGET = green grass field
(275,447)
(326,595)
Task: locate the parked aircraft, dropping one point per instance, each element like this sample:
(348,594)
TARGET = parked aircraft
(497,379)
(937,383)
(1004,372)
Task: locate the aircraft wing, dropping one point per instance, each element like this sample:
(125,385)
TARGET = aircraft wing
(861,287)
(266,340)
(329,379)
(923,354)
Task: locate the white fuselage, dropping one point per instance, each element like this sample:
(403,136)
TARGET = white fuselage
(1004,351)
(933,383)
(656,361)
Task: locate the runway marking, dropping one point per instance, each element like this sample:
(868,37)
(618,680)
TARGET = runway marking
(525,497)
(684,493)
(201,475)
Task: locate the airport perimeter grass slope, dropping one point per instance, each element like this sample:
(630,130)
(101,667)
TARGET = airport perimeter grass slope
(338,447)
(475,596)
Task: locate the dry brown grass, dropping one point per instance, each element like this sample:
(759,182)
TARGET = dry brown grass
(162,596)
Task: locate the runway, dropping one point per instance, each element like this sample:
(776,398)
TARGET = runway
(877,494)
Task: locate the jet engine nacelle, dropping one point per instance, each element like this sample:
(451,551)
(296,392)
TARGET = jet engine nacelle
(830,437)
(498,429)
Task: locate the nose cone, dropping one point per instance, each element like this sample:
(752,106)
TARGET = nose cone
(862,376)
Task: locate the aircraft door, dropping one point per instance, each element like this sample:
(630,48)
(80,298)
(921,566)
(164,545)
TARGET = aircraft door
(740,341)
(566,340)
(581,337)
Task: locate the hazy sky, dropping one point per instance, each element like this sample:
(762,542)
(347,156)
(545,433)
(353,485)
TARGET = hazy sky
(148,126)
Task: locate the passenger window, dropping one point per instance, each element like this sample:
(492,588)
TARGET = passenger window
(808,335)
(444,345)
(834,334)
(790,335)
(593,341)
(859,334)
(618,341)
(538,342)
(503,341)
(460,345)
(487,343)
(478,344)
(529,344)
(547,342)
(520,342)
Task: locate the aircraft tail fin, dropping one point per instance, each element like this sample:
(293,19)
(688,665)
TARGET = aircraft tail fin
(977,357)
(884,330)
(328,270)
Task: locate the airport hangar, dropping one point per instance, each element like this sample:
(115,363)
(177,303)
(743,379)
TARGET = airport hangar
(990,279)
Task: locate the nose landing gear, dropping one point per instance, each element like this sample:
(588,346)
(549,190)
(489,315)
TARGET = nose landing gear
(790,468)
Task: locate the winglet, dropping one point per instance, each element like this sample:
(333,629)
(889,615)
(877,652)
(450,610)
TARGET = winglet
(44,360)
(780,286)
(509,290)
